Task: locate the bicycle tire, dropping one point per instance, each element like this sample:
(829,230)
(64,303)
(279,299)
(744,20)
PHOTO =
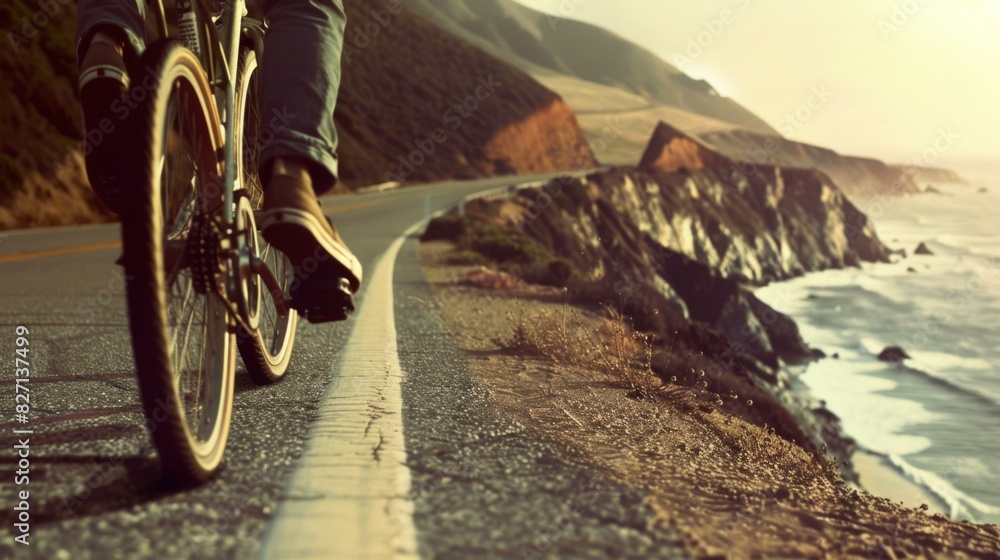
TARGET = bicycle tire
(267,351)
(177,114)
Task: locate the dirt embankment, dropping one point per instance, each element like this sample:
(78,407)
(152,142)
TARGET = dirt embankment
(548,139)
(417,104)
(41,172)
(671,150)
(723,480)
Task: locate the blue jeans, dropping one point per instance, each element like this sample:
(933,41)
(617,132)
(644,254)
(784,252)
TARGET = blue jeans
(299,74)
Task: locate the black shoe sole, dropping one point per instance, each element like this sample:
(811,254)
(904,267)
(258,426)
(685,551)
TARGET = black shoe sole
(322,300)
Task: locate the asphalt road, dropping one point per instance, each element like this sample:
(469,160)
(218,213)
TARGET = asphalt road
(474,485)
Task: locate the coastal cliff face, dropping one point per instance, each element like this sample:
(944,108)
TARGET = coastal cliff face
(770,224)
(679,243)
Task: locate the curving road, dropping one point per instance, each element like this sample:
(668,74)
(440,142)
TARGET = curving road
(363,450)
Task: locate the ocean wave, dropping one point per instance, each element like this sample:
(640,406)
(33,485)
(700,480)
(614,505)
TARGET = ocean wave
(956,241)
(974,245)
(960,505)
(950,385)
(918,367)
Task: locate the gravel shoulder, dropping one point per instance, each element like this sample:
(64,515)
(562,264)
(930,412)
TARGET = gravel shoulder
(728,488)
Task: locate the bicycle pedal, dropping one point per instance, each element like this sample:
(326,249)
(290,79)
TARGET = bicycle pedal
(323,301)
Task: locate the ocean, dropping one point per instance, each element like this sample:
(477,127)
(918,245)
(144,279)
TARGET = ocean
(934,418)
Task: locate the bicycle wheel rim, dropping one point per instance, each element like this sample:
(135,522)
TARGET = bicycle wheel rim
(183,340)
(198,324)
(274,333)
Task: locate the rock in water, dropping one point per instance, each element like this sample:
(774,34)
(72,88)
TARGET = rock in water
(893,354)
(923,249)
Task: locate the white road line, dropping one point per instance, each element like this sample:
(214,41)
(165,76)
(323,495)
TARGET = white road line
(349,495)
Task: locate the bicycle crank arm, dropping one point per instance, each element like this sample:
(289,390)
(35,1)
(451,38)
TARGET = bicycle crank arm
(261,269)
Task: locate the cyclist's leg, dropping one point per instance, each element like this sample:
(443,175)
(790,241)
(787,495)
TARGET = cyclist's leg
(106,31)
(300,77)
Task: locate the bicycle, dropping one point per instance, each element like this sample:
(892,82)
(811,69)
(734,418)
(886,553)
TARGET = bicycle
(201,280)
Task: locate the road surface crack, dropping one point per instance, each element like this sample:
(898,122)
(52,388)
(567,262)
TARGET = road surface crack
(376,451)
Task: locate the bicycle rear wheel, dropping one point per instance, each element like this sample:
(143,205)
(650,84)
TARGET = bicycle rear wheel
(183,336)
(268,349)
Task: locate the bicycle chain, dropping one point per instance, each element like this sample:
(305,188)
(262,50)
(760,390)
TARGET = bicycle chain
(203,254)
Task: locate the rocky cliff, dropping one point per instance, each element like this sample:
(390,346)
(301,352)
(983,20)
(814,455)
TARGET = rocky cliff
(679,242)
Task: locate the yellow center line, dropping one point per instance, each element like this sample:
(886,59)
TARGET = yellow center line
(360,205)
(61,251)
(357,206)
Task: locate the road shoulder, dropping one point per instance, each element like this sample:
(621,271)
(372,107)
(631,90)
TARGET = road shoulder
(486,481)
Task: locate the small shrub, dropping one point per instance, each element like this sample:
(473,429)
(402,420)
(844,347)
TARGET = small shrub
(510,248)
(556,272)
(613,349)
(445,228)
(560,271)
(628,356)
(465,257)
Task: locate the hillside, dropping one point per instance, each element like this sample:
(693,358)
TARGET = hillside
(41,171)
(934,174)
(396,115)
(585,63)
(404,83)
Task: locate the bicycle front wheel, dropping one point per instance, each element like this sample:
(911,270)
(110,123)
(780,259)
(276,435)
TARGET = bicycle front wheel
(183,335)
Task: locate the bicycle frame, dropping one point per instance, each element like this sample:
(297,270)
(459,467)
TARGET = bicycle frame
(219,57)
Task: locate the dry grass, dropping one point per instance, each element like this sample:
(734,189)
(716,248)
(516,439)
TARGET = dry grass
(54,201)
(608,344)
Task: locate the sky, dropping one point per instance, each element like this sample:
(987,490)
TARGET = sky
(882,78)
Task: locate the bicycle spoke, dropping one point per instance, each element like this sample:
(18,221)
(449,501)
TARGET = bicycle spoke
(193,327)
